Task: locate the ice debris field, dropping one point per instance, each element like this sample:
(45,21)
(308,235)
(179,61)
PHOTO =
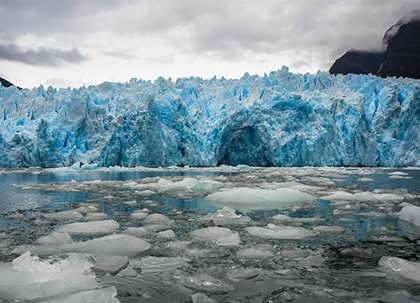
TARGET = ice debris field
(279,119)
(217,234)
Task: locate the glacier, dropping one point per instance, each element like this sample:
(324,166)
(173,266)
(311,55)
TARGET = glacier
(279,119)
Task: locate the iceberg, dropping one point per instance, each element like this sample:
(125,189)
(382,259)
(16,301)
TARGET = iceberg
(400,269)
(101,295)
(222,236)
(90,228)
(246,199)
(206,283)
(29,278)
(279,119)
(279,232)
(114,245)
(225,217)
(410,213)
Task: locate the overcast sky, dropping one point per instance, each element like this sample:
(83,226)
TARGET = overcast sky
(76,42)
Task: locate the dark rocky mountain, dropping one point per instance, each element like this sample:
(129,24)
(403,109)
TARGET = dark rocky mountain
(401,57)
(6,83)
(357,62)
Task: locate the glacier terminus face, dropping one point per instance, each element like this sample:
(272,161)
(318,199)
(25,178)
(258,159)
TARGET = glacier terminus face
(279,119)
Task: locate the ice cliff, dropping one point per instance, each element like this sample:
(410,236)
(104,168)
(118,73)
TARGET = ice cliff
(279,119)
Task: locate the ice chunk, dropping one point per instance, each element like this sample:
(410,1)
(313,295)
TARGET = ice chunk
(365,179)
(220,235)
(130,203)
(157,219)
(239,274)
(155,265)
(206,283)
(226,217)
(167,235)
(55,238)
(90,228)
(400,177)
(402,296)
(96,217)
(115,245)
(110,264)
(72,214)
(247,199)
(329,229)
(201,298)
(398,173)
(141,232)
(400,269)
(280,232)
(138,215)
(411,214)
(157,227)
(262,251)
(5,243)
(284,219)
(188,185)
(363,196)
(102,295)
(29,278)
(87,208)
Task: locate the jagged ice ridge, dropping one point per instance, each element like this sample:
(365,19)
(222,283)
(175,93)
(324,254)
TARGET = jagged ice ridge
(279,119)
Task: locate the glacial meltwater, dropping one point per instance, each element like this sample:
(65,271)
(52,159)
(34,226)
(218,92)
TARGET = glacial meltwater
(221,234)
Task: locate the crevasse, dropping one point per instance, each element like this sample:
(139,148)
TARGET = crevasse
(279,119)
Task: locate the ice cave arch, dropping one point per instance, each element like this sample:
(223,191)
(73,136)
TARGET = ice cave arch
(244,145)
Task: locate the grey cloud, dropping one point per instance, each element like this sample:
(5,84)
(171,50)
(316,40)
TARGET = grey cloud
(232,30)
(227,30)
(42,56)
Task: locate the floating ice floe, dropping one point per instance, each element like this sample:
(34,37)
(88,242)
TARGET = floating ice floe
(157,219)
(140,232)
(400,269)
(130,203)
(138,215)
(410,213)
(280,232)
(201,298)
(90,228)
(400,296)
(246,199)
(110,264)
(398,173)
(206,283)
(167,235)
(154,265)
(226,217)
(102,295)
(114,245)
(284,219)
(400,177)
(187,185)
(365,179)
(29,278)
(55,238)
(239,274)
(261,251)
(333,229)
(146,192)
(222,236)
(96,217)
(363,196)
(72,214)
